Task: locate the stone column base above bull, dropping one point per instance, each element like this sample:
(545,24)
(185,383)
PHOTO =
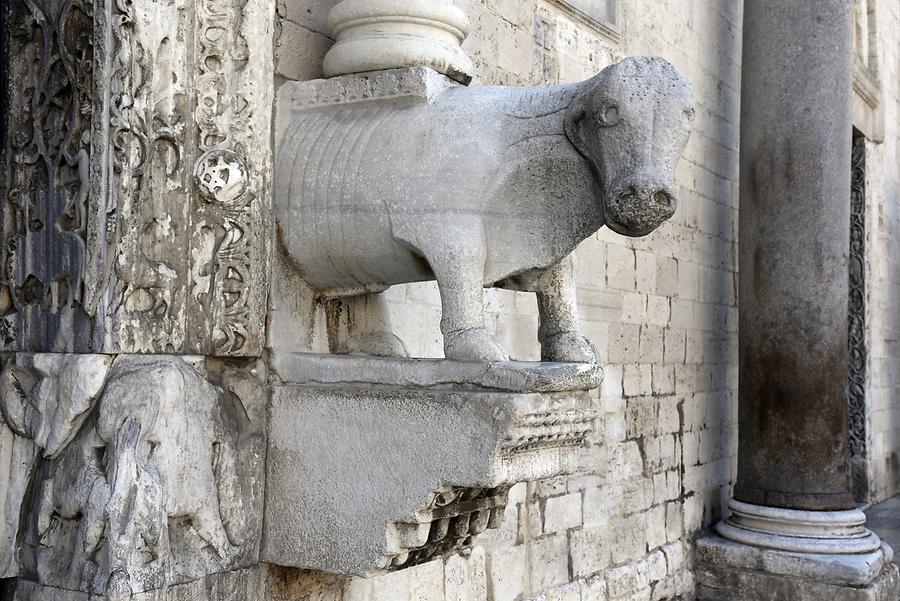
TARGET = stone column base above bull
(403,176)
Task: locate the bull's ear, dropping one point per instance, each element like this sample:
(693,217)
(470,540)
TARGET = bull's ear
(575,122)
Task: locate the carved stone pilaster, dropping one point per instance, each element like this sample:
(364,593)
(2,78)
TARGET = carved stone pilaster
(137,216)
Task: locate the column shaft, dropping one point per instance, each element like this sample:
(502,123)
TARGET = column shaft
(794,243)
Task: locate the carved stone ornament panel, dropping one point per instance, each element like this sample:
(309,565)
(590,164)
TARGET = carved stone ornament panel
(137,212)
(389,463)
(142,473)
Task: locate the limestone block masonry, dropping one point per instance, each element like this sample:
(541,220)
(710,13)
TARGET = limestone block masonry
(472,187)
(388,463)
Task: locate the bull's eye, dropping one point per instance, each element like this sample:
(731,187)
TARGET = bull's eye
(609,114)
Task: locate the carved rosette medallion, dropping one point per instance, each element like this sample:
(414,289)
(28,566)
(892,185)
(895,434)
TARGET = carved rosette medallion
(221,177)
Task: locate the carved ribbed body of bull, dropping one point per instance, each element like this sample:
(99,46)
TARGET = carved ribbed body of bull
(484,186)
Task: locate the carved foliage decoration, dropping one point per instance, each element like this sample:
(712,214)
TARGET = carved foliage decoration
(137,214)
(46,164)
(857,316)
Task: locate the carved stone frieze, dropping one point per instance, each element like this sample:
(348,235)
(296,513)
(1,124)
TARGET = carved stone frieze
(856,392)
(144,475)
(408,460)
(137,217)
(46,183)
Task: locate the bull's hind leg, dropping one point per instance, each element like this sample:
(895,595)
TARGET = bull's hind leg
(558,332)
(459,273)
(361,325)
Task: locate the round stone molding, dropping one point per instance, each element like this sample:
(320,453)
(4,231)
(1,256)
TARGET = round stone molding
(372,35)
(824,532)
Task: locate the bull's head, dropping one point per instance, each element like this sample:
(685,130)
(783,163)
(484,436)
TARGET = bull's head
(632,123)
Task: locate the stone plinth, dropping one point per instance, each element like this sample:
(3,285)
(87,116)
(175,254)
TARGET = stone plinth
(380,464)
(789,555)
(730,571)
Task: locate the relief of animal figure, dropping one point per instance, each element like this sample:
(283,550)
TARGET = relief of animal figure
(138,470)
(483,187)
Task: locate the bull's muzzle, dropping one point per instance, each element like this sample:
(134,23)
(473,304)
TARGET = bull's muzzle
(638,209)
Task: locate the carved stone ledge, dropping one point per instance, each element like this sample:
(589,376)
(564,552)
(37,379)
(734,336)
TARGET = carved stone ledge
(406,460)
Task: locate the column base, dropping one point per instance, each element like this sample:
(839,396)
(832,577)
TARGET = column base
(772,554)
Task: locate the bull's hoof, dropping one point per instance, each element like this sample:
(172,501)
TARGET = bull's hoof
(379,344)
(474,344)
(569,347)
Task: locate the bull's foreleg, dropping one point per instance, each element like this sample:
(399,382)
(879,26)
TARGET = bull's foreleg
(558,310)
(459,273)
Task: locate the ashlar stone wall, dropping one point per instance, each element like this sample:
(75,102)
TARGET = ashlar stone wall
(661,310)
(883,266)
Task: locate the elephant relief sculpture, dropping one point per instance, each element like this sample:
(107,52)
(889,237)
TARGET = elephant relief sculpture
(484,186)
(136,483)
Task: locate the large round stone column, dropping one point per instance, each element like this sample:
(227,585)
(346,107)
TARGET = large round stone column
(793,533)
(794,245)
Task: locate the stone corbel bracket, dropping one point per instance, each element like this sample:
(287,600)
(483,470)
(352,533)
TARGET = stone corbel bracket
(379,464)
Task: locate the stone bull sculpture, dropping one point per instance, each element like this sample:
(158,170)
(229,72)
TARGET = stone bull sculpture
(484,186)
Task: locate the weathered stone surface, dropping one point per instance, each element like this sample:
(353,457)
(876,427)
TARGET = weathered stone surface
(383,477)
(17,459)
(827,567)
(242,585)
(795,172)
(373,35)
(157,482)
(514,376)
(527,174)
(731,572)
(121,233)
